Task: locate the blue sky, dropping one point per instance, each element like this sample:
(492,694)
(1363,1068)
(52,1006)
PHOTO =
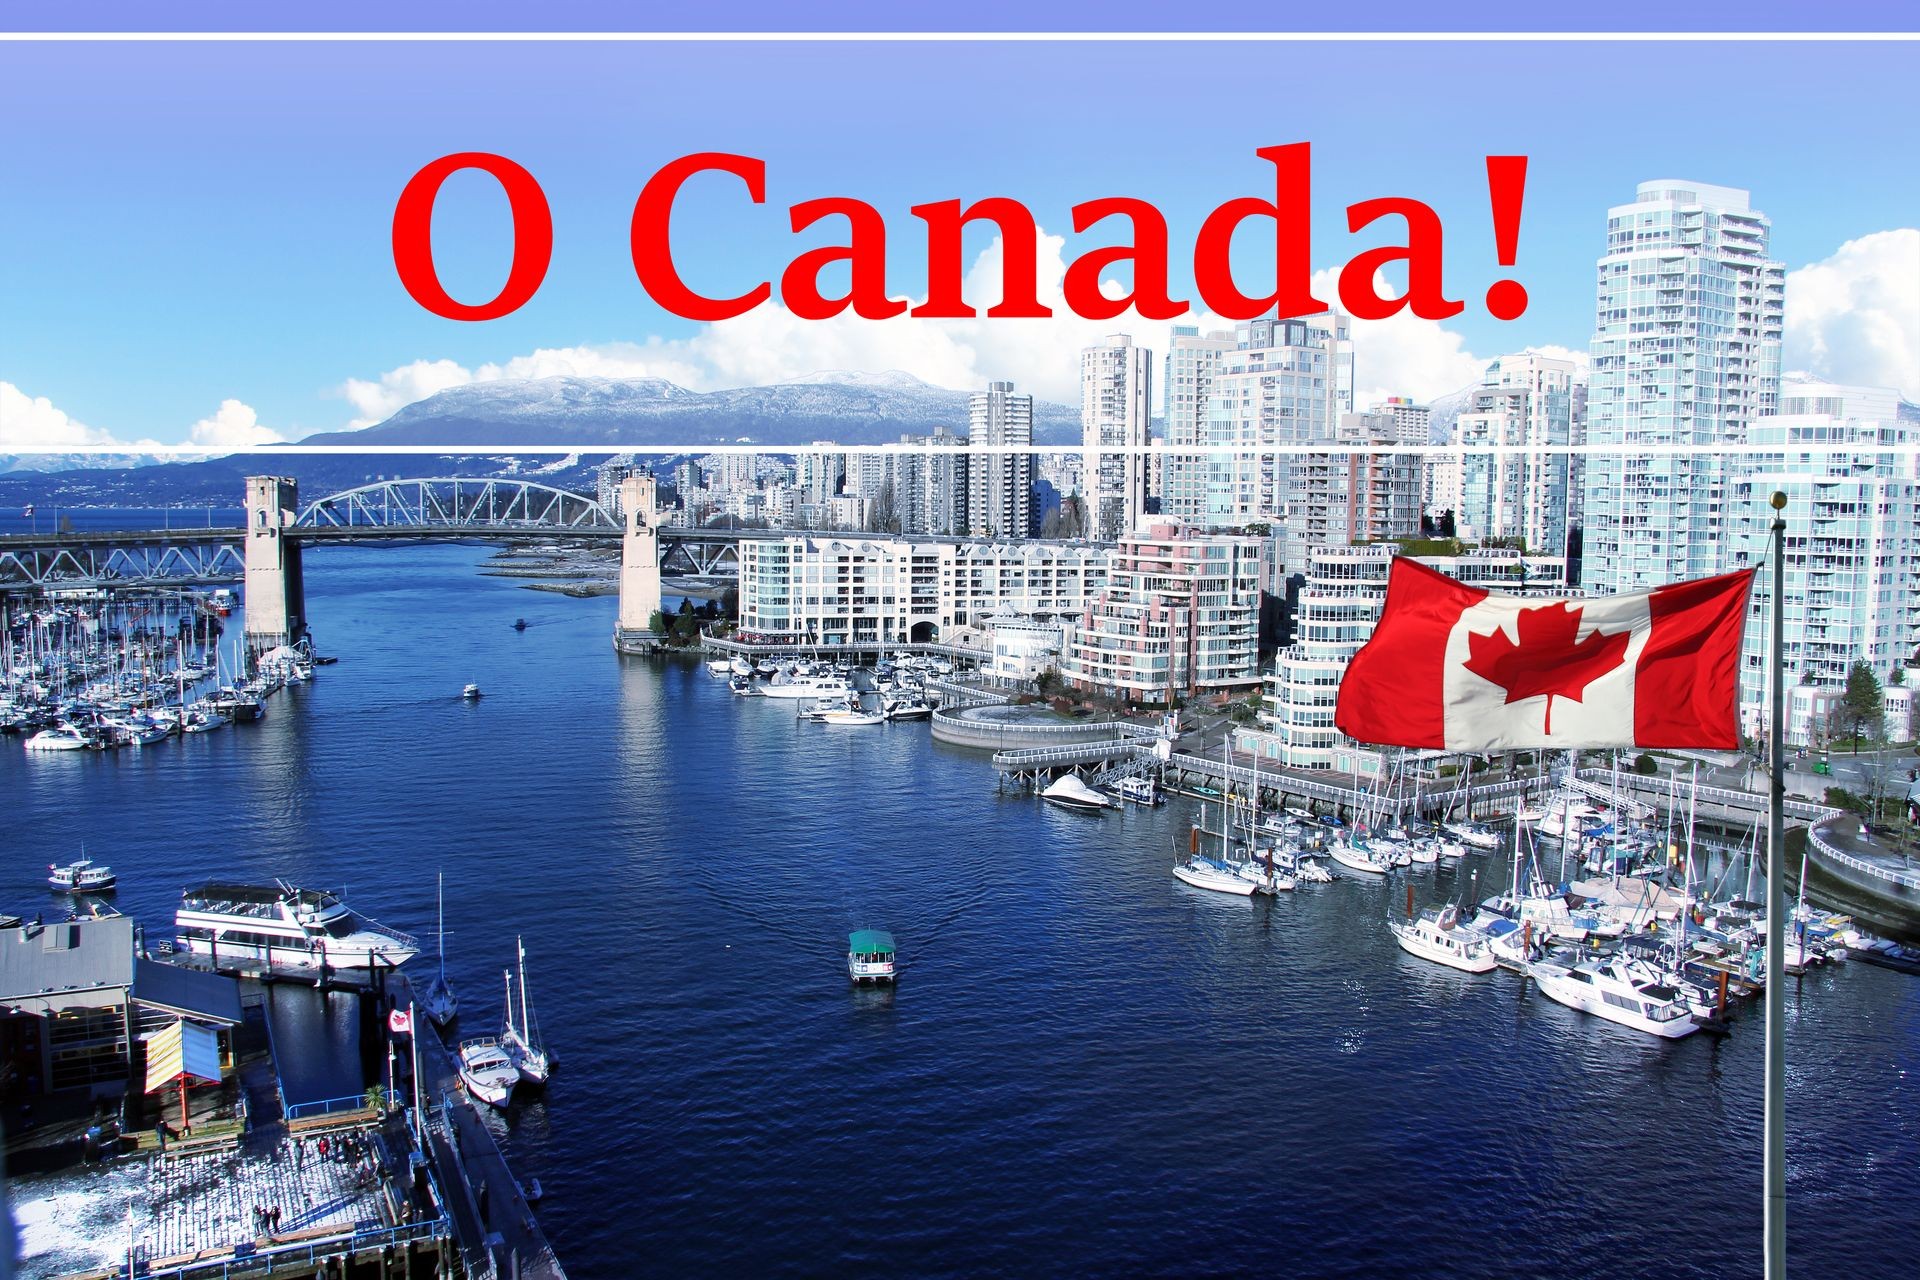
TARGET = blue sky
(185,224)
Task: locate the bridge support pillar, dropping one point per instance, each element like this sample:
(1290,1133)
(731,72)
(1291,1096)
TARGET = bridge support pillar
(639,567)
(276,599)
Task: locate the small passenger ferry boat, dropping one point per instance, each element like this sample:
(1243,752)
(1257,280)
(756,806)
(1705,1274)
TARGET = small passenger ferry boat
(81,877)
(870,956)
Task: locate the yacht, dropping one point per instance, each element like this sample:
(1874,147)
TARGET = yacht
(83,876)
(720,666)
(1477,835)
(284,926)
(237,705)
(1069,792)
(487,1071)
(438,1001)
(910,708)
(1608,990)
(471,693)
(850,712)
(1211,873)
(1437,936)
(1139,789)
(522,1041)
(807,687)
(62,737)
(870,956)
(739,667)
(1359,857)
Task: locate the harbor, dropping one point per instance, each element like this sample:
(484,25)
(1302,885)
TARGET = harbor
(686,866)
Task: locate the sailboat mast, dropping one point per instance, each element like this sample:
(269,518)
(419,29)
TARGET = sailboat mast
(440,916)
(526,1023)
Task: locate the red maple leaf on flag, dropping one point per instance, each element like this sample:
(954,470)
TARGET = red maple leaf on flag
(1547,660)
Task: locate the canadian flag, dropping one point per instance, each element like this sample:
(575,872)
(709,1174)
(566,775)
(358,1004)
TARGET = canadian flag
(1458,668)
(400,1022)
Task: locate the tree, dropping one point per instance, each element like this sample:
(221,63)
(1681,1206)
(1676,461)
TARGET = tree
(1446,525)
(657,623)
(1645,765)
(1864,705)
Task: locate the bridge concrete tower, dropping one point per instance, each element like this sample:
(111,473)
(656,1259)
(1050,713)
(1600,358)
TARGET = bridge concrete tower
(276,599)
(639,567)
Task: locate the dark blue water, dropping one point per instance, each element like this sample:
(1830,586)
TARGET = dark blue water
(1087,1068)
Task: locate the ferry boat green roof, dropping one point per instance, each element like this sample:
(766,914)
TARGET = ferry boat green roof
(870,941)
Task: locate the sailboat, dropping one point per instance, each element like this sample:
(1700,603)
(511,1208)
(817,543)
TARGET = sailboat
(438,1000)
(522,1042)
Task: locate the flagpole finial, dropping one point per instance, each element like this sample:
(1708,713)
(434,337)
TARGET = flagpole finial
(1779,500)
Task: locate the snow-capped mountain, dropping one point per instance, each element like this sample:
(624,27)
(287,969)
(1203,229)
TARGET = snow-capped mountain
(847,408)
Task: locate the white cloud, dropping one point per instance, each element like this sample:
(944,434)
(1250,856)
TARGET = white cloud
(29,423)
(1855,317)
(33,424)
(379,400)
(233,425)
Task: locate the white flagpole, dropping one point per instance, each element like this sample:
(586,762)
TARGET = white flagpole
(1774,1164)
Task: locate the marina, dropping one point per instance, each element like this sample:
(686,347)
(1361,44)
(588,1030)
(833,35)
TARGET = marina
(709,1026)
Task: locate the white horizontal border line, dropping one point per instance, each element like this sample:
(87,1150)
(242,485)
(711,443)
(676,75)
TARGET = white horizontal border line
(978,37)
(1779,456)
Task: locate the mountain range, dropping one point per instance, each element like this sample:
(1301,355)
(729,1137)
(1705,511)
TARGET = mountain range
(587,412)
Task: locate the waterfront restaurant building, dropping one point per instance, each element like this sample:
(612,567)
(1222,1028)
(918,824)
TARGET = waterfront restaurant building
(78,1001)
(1179,616)
(848,589)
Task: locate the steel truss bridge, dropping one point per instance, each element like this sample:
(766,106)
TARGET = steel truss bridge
(439,509)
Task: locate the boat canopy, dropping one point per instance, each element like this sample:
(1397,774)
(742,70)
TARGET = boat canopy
(864,942)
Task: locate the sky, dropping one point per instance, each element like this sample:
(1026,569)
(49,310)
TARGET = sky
(195,237)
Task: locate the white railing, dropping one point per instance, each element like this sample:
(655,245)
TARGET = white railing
(1907,879)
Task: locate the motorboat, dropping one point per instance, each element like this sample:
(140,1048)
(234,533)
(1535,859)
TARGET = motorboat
(914,708)
(471,693)
(285,927)
(1425,852)
(1475,835)
(487,1071)
(1607,990)
(870,956)
(201,718)
(1069,792)
(739,667)
(1437,936)
(437,1000)
(522,1040)
(1887,955)
(62,737)
(1211,873)
(850,713)
(237,705)
(83,876)
(720,667)
(828,687)
(139,731)
(1139,789)
(741,685)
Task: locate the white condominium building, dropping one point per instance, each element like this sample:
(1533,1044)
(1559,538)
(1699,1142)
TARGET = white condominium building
(1180,615)
(1853,543)
(1193,361)
(1524,402)
(1286,382)
(1686,351)
(1337,608)
(1116,397)
(1000,501)
(828,590)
